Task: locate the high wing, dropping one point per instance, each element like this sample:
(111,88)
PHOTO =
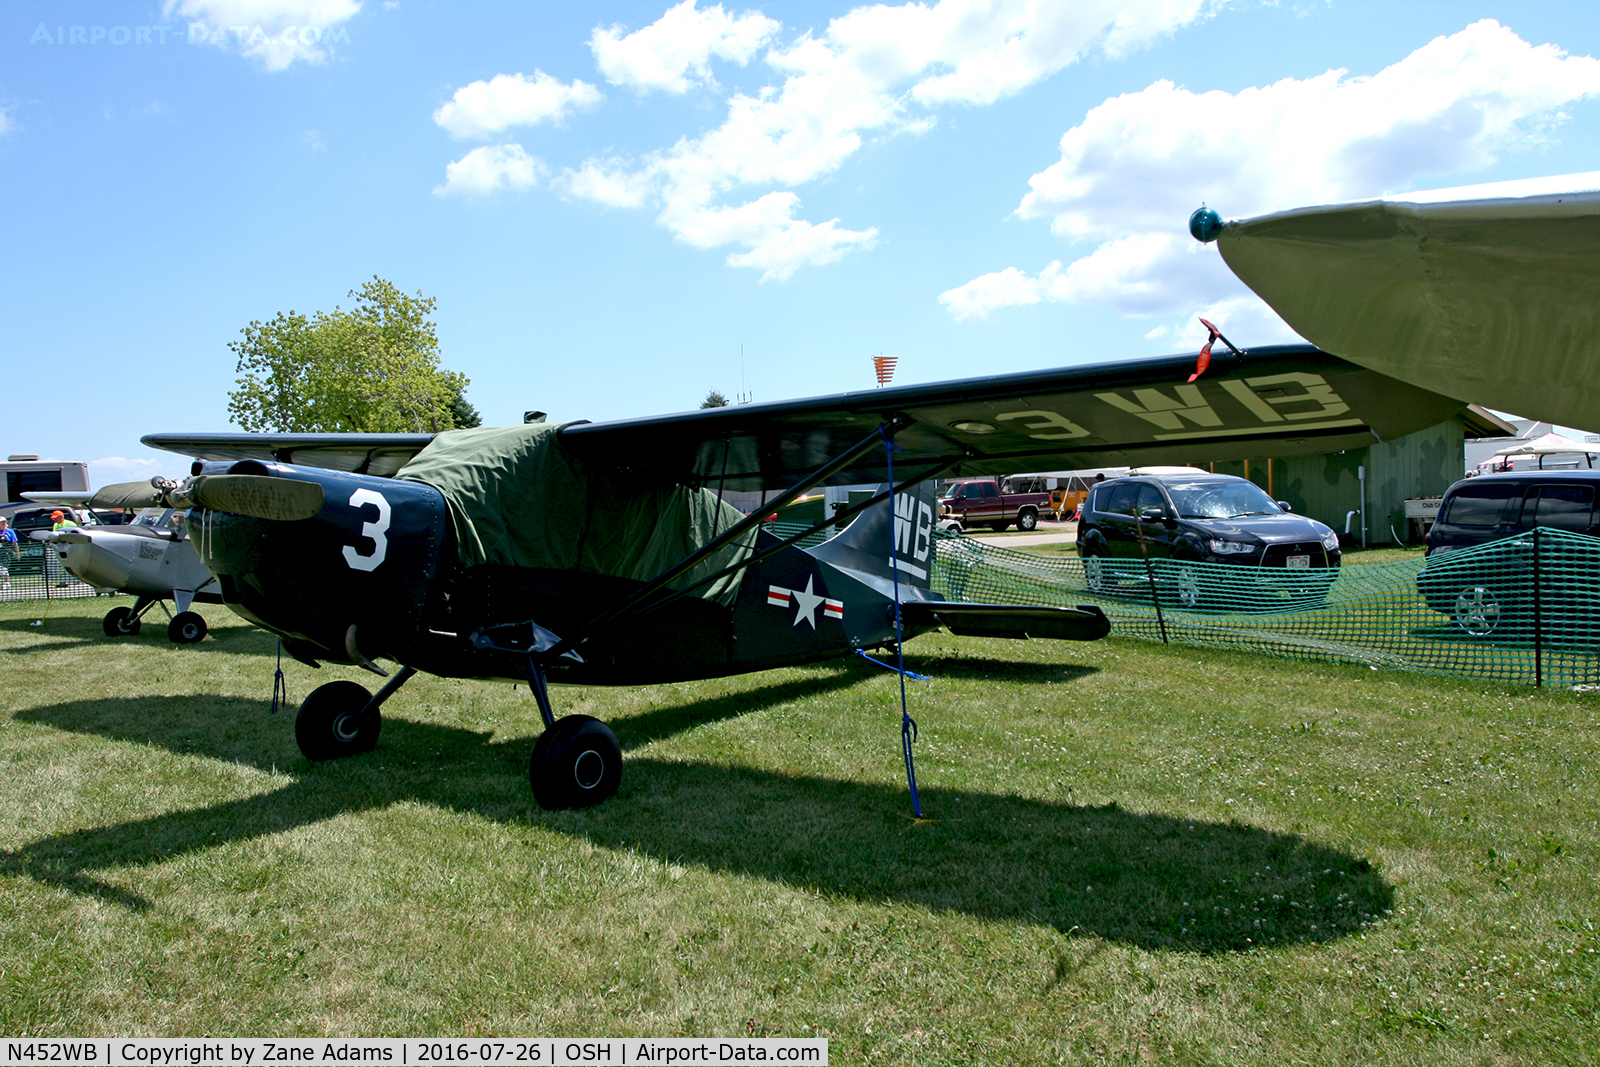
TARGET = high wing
(1490,294)
(1280,401)
(379,454)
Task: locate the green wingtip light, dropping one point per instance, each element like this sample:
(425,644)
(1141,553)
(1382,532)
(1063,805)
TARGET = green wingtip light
(1205,225)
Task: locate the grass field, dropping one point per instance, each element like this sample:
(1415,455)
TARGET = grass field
(1135,854)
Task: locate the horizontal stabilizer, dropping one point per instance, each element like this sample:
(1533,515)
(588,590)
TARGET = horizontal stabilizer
(1083,623)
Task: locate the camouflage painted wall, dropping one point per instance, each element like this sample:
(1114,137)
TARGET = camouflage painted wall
(1327,487)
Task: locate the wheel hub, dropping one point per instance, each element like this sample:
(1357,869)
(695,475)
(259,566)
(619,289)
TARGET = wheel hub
(588,769)
(1477,611)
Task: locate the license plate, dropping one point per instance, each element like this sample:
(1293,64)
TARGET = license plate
(1299,563)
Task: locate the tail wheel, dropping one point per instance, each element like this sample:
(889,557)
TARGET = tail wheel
(327,726)
(186,628)
(120,622)
(577,763)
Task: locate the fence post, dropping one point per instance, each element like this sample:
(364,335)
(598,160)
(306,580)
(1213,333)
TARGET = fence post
(1150,575)
(1538,622)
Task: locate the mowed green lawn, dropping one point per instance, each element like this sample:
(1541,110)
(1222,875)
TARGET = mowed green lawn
(1135,854)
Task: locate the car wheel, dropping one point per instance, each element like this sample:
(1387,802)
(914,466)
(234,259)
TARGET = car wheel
(1191,593)
(119,622)
(1094,574)
(1480,611)
(1027,520)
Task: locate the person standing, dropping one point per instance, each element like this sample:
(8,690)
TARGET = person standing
(9,550)
(52,556)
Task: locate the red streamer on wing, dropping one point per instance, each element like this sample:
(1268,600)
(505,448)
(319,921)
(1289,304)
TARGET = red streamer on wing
(1205,353)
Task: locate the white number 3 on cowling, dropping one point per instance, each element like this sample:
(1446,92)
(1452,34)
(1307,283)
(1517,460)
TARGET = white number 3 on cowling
(375,530)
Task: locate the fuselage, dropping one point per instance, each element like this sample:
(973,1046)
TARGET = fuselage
(375,573)
(148,558)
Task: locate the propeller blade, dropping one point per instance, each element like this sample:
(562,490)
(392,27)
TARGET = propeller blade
(128,495)
(260,496)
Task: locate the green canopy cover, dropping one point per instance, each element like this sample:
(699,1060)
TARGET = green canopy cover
(517,498)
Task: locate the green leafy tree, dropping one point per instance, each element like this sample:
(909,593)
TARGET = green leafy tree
(371,369)
(465,415)
(714,399)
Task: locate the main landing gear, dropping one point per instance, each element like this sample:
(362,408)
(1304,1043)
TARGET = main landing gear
(577,762)
(339,719)
(186,627)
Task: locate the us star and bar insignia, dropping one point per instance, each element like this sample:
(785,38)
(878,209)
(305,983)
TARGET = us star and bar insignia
(806,602)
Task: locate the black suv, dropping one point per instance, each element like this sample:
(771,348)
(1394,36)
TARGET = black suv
(1490,594)
(1205,518)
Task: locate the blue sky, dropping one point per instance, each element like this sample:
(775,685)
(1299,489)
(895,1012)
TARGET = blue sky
(610,200)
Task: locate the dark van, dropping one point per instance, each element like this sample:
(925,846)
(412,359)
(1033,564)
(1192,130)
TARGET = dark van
(1492,596)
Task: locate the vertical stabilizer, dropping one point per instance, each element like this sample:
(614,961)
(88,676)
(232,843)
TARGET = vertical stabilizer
(866,545)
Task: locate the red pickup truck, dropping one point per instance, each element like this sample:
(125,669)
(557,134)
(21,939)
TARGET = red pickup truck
(979,501)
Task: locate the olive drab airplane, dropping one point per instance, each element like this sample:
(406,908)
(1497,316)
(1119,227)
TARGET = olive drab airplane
(602,553)
(150,558)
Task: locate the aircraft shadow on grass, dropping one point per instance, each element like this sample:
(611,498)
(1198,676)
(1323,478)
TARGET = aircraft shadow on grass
(1151,880)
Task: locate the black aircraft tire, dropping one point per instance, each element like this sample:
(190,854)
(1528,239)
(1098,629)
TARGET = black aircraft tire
(186,628)
(577,763)
(119,622)
(324,729)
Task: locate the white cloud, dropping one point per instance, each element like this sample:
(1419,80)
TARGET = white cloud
(275,33)
(778,242)
(607,182)
(678,45)
(483,109)
(6,123)
(1002,289)
(1136,166)
(489,168)
(874,71)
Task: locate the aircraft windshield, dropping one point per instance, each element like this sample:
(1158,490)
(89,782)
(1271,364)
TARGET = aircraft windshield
(160,518)
(1226,500)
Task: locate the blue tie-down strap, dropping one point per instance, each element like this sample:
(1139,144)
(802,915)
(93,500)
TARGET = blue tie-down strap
(280,688)
(913,675)
(908,734)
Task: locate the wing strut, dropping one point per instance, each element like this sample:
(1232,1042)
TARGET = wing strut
(627,605)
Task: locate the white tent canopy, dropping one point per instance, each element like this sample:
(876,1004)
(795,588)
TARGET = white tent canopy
(1551,444)
(1489,294)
